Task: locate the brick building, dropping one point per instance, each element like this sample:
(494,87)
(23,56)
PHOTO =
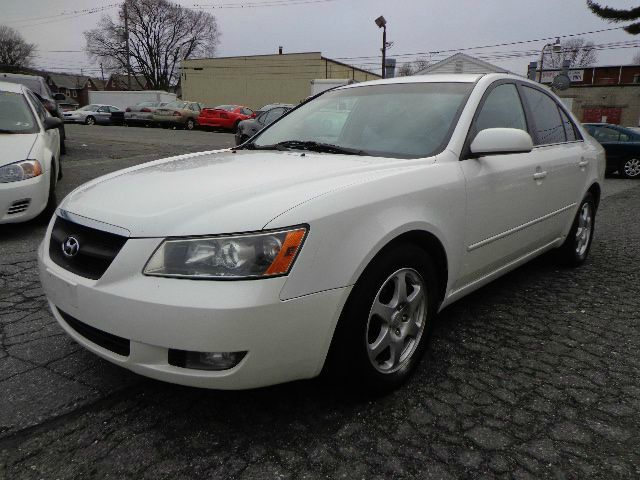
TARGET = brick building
(602,94)
(75,87)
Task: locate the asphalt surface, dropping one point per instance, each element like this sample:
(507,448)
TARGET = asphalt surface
(534,376)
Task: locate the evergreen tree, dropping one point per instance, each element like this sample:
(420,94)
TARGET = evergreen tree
(618,15)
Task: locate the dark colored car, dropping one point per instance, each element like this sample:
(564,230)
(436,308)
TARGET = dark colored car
(224,116)
(265,116)
(622,146)
(38,86)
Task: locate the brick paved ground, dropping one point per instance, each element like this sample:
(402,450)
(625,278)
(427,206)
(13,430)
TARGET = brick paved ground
(534,376)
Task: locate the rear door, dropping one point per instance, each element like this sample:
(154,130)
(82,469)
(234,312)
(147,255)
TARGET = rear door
(506,194)
(567,157)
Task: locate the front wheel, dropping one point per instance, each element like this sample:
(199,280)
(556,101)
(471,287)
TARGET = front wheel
(384,328)
(90,120)
(575,249)
(630,168)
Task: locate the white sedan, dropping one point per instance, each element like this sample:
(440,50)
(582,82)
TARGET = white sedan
(329,242)
(30,160)
(91,114)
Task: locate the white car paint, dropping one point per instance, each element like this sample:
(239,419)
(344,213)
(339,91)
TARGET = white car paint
(490,214)
(43,146)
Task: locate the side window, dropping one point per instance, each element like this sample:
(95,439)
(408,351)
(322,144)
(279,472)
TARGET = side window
(41,112)
(103,110)
(569,128)
(273,115)
(624,137)
(605,134)
(246,111)
(114,109)
(501,109)
(548,127)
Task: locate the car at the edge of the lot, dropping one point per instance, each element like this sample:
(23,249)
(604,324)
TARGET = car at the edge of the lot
(38,86)
(141,113)
(622,147)
(30,161)
(91,114)
(180,114)
(264,117)
(224,116)
(322,248)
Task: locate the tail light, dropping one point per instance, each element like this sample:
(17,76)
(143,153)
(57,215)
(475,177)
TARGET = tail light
(177,114)
(128,109)
(146,110)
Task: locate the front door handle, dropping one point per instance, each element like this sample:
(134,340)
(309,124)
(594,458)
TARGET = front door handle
(583,163)
(539,175)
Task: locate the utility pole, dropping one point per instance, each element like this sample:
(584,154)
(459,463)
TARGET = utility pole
(382,23)
(126,35)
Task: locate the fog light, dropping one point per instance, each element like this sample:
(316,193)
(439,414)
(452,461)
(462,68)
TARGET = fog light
(205,360)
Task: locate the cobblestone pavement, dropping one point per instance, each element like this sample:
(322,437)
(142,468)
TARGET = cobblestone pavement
(534,376)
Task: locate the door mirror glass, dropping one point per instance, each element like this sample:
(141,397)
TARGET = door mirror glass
(501,141)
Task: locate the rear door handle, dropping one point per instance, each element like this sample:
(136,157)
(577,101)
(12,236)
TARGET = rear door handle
(583,163)
(539,175)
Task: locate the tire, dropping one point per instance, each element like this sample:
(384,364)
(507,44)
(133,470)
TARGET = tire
(234,129)
(243,139)
(63,147)
(379,339)
(89,120)
(575,249)
(189,124)
(630,168)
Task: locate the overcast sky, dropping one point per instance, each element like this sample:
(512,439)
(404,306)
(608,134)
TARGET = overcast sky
(343,28)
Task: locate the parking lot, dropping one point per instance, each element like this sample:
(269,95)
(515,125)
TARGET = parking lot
(535,376)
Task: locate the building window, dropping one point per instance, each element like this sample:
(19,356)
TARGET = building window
(74,93)
(636,78)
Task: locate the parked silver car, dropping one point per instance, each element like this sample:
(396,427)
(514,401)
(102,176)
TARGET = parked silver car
(142,113)
(91,114)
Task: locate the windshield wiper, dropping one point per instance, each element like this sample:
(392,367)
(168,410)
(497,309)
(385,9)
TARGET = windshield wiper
(311,146)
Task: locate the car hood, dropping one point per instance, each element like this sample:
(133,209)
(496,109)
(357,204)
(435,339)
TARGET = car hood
(217,192)
(16,147)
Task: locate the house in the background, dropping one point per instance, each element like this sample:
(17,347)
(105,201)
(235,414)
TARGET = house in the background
(75,87)
(119,81)
(461,63)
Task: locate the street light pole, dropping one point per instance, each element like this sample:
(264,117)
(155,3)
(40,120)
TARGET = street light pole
(557,47)
(382,23)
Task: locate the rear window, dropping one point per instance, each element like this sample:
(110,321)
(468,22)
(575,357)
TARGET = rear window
(15,114)
(228,108)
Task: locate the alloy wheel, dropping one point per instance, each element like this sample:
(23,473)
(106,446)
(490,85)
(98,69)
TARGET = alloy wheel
(632,168)
(397,320)
(583,232)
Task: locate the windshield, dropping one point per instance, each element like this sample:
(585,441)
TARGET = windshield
(15,114)
(396,120)
(176,105)
(89,108)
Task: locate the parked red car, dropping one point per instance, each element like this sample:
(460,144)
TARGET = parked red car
(224,116)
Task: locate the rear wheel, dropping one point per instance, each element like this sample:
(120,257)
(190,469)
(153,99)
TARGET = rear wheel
(190,124)
(90,120)
(630,168)
(575,249)
(384,328)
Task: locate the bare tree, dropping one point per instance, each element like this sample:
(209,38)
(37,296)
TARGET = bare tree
(578,51)
(14,50)
(161,34)
(411,68)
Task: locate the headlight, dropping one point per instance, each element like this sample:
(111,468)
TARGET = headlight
(253,255)
(23,170)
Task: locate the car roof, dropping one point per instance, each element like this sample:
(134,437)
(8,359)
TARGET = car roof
(12,87)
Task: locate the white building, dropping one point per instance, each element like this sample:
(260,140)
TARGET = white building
(461,63)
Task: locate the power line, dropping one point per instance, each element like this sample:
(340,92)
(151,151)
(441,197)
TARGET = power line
(64,16)
(268,3)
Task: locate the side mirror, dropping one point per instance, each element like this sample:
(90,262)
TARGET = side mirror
(52,122)
(58,96)
(501,141)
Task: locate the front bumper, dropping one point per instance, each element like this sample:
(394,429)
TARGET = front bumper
(285,340)
(13,196)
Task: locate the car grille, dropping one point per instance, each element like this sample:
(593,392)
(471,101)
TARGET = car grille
(19,206)
(96,251)
(111,342)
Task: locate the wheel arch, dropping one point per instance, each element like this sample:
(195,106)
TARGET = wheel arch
(596,191)
(428,242)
